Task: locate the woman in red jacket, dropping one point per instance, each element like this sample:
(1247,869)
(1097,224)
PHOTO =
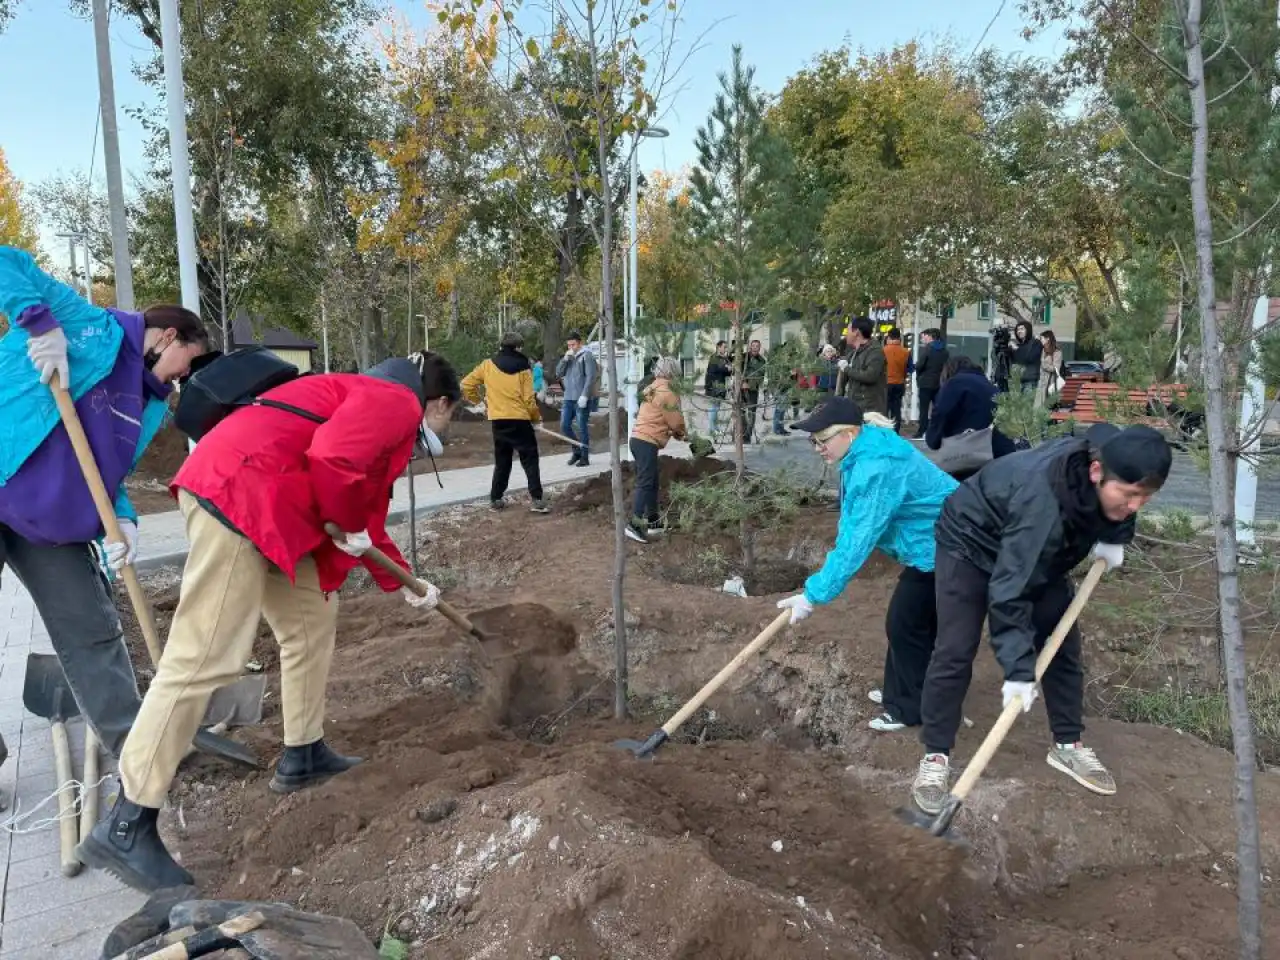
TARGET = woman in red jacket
(256,494)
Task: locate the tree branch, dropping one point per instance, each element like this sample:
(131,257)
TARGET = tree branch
(1139,151)
(1236,236)
(1120,21)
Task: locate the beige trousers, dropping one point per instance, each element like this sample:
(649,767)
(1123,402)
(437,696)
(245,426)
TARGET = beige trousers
(227,587)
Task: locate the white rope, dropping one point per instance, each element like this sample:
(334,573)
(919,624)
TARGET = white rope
(13,824)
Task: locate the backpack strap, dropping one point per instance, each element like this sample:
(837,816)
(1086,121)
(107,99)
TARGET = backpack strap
(288,408)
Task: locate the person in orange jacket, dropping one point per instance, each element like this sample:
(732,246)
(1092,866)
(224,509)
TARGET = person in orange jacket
(256,494)
(657,421)
(896,360)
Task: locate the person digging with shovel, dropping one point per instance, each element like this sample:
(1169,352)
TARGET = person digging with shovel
(1007,541)
(892,496)
(657,421)
(256,494)
(119,367)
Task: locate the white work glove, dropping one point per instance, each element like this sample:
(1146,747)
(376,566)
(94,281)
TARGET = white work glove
(799,606)
(48,353)
(1016,688)
(843,364)
(1113,553)
(422,603)
(479,409)
(354,544)
(582,403)
(119,555)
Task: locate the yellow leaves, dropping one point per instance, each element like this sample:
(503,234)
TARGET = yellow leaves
(17,229)
(531,48)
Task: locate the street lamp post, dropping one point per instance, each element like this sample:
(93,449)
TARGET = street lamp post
(633,404)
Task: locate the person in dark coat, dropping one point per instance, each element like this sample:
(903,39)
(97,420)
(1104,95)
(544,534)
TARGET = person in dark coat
(1007,541)
(1026,354)
(933,357)
(966,401)
(716,382)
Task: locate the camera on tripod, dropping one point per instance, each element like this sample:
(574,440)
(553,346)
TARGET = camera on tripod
(1001,337)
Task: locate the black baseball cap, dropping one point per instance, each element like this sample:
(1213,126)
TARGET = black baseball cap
(1135,454)
(837,410)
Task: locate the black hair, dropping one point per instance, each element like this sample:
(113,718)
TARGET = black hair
(933,332)
(165,316)
(573,335)
(1024,325)
(439,379)
(721,343)
(895,333)
(957,364)
(862,325)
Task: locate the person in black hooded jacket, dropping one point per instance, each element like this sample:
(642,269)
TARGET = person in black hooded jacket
(1007,541)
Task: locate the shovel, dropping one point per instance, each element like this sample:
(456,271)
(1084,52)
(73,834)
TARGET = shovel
(665,732)
(46,694)
(939,825)
(410,582)
(209,743)
(221,937)
(560,436)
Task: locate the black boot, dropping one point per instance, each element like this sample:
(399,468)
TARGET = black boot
(128,846)
(303,767)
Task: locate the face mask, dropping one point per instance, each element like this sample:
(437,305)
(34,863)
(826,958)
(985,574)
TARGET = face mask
(430,442)
(152,357)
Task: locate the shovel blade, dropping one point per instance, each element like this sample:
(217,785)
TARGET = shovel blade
(642,751)
(211,743)
(238,704)
(45,691)
(939,826)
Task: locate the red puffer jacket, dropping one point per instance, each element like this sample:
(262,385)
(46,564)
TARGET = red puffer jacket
(278,477)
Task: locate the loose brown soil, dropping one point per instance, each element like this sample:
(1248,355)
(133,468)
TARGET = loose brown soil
(148,485)
(492,818)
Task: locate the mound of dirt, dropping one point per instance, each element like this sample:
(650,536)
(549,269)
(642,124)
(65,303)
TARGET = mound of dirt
(493,818)
(597,492)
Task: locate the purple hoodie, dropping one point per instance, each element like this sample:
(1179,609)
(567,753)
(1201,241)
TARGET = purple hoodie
(47,501)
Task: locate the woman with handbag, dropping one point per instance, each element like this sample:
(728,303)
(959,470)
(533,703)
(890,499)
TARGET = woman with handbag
(961,429)
(892,497)
(1050,367)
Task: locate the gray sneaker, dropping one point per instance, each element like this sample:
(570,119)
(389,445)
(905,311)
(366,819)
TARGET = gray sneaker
(929,791)
(1083,766)
(539,506)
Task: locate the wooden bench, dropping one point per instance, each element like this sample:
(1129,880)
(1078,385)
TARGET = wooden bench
(1071,389)
(1095,402)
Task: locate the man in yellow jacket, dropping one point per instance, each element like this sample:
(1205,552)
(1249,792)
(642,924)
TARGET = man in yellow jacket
(507,380)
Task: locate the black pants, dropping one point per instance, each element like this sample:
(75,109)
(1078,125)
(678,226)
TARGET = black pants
(895,393)
(927,395)
(962,610)
(750,401)
(645,500)
(512,437)
(911,625)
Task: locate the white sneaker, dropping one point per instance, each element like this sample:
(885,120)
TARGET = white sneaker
(932,783)
(885,723)
(876,696)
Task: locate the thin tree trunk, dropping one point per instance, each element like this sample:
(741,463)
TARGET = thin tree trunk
(1222,498)
(615,446)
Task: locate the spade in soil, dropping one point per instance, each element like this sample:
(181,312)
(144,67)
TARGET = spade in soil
(665,732)
(940,825)
(407,580)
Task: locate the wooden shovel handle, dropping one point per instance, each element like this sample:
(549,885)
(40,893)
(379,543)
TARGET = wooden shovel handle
(560,436)
(1010,713)
(68,823)
(106,513)
(728,670)
(89,792)
(407,580)
(205,940)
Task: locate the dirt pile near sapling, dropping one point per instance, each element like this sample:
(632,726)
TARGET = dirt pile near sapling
(597,492)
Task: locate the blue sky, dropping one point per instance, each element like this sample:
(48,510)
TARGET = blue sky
(48,75)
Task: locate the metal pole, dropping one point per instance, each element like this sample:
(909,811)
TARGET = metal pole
(111,156)
(633,262)
(180,161)
(408,327)
(88,270)
(1253,406)
(71,258)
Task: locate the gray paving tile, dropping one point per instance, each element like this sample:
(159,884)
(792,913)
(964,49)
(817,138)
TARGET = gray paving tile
(70,931)
(57,893)
(40,843)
